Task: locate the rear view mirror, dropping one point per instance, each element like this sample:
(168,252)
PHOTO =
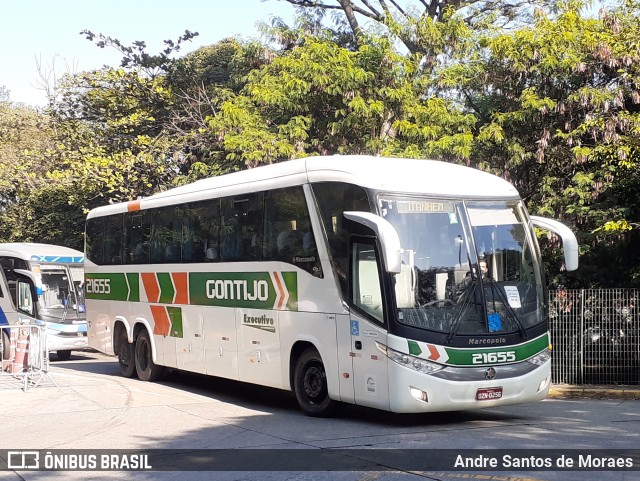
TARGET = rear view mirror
(569,241)
(387,235)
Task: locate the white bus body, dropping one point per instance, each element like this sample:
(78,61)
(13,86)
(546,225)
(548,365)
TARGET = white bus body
(57,276)
(343,278)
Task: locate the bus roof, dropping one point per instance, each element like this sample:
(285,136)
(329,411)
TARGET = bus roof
(42,253)
(410,176)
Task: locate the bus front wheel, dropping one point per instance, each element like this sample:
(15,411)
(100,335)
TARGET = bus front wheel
(6,347)
(310,385)
(147,369)
(63,355)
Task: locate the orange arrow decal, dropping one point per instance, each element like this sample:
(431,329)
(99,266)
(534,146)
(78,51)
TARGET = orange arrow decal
(282,300)
(434,355)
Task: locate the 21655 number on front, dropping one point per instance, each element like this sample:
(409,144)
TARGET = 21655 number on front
(493,357)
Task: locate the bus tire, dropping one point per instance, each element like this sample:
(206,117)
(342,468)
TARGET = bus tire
(6,346)
(126,356)
(310,385)
(64,355)
(147,369)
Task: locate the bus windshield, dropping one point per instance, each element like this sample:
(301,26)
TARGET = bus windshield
(469,267)
(58,298)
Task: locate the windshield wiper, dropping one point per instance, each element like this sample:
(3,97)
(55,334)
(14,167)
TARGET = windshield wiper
(456,321)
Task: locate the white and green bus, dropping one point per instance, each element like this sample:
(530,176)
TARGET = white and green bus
(404,285)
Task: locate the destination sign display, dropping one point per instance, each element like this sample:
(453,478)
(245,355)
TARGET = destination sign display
(424,206)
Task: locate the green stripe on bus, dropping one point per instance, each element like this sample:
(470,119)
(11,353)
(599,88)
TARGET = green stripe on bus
(291,283)
(167,291)
(133,278)
(175,314)
(414,348)
(254,290)
(109,287)
(479,357)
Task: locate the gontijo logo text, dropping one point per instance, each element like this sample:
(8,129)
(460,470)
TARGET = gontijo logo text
(237,289)
(253,290)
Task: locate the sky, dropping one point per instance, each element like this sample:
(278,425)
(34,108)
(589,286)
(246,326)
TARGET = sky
(47,32)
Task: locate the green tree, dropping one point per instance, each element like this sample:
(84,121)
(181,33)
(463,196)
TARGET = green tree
(557,109)
(320,98)
(25,134)
(411,20)
(112,142)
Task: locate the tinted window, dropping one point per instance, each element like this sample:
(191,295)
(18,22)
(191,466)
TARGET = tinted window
(288,235)
(165,239)
(333,199)
(137,232)
(201,231)
(241,228)
(95,239)
(366,288)
(113,240)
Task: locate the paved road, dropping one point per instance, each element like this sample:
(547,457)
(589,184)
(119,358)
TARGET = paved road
(93,407)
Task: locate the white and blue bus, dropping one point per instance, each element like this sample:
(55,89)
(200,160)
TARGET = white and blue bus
(57,275)
(404,285)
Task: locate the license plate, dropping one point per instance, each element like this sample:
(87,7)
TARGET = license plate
(489,393)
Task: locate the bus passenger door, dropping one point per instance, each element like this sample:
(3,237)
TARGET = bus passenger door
(367,326)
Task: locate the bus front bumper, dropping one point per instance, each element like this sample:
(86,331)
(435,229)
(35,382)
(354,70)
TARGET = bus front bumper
(412,391)
(66,337)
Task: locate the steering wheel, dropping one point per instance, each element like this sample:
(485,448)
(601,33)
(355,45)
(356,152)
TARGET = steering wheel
(438,301)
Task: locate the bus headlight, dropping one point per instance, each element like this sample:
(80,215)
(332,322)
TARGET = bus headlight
(540,358)
(407,360)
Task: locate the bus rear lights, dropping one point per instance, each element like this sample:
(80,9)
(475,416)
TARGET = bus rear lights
(411,362)
(418,394)
(540,358)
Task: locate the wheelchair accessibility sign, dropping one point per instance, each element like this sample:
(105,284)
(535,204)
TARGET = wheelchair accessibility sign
(355,328)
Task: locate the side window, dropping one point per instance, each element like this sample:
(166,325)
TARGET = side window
(241,227)
(288,235)
(201,231)
(136,243)
(366,291)
(94,240)
(165,238)
(334,198)
(113,238)
(25,298)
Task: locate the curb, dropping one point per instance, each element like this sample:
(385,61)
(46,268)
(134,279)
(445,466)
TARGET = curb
(564,391)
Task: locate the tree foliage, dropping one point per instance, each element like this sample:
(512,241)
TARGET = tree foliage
(412,20)
(557,103)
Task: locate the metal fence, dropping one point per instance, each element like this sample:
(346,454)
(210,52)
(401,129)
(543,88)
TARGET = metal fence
(595,335)
(24,360)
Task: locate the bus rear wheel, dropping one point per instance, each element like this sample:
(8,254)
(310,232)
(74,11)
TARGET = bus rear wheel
(126,354)
(310,385)
(147,369)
